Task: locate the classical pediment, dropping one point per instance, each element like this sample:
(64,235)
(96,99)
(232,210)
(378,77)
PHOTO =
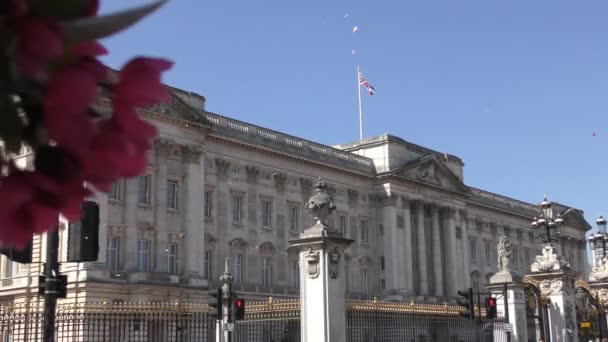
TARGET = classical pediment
(574,217)
(174,108)
(430,171)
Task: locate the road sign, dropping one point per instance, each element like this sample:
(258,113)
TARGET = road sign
(507,327)
(229,327)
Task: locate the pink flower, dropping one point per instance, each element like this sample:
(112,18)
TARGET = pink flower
(32,203)
(139,82)
(38,42)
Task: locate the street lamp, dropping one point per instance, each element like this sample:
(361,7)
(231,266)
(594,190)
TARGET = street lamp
(547,227)
(598,241)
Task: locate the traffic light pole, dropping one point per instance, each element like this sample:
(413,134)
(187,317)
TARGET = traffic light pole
(227,319)
(50,283)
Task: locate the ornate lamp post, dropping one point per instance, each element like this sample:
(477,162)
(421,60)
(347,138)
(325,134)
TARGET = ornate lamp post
(547,227)
(599,240)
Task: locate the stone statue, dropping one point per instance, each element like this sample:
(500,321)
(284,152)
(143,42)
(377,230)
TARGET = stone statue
(549,261)
(321,205)
(504,254)
(599,272)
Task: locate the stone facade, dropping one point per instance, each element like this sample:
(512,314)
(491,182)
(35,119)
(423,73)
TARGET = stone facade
(216,187)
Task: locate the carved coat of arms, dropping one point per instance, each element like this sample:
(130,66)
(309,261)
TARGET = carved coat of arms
(312,263)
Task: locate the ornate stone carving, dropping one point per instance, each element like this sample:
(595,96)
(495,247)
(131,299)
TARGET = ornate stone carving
(238,245)
(252,173)
(162,147)
(321,205)
(503,249)
(279,180)
(116,230)
(175,237)
(267,248)
(222,166)
(549,261)
(426,173)
(334,263)
(210,240)
(192,154)
(145,231)
(599,272)
(312,263)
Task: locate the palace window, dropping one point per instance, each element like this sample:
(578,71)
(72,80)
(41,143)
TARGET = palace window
(364,282)
(115,191)
(342,225)
(266,213)
(172,194)
(382,265)
(237,208)
(172,259)
(237,268)
(488,250)
(208,203)
(207,265)
(112,250)
(267,280)
(143,255)
(473,250)
(293,219)
(144,189)
(364,232)
(294,270)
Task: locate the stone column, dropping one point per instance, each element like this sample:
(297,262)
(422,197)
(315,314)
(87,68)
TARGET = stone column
(556,281)
(322,283)
(158,186)
(194,220)
(129,245)
(437,260)
(102,200)
(450,256)
(407,246)
(421,244)
(224,217)
(390,241)
(465,278)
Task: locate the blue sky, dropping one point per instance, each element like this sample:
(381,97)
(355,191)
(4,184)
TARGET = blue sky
(515,88)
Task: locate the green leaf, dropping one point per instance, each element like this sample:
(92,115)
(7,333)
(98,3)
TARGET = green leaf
(10,124)
(60,9)
(87,29)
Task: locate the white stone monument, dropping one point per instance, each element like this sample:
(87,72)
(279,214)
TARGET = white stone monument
(322,282)
(507,282)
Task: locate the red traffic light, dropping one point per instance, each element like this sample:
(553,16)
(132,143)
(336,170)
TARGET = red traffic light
(239,303)
(491,302)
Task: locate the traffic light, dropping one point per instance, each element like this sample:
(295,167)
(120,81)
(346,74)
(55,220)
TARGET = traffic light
(23,256)
(216,303)
(491,307)
(466,301)
(83,236)
(239,309)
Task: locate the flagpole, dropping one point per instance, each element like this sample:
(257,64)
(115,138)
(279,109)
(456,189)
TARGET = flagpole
(360,112)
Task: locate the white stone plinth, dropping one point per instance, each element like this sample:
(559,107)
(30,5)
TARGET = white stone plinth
(323,287)
(516,306)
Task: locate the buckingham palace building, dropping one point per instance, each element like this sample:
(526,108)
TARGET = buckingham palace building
(218,188)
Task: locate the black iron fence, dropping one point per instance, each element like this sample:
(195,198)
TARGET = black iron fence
(266,321)
(392,322)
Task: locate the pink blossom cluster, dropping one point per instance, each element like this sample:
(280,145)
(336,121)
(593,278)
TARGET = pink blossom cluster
(82,150)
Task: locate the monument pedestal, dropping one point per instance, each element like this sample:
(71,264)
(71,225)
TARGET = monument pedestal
(509,283)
